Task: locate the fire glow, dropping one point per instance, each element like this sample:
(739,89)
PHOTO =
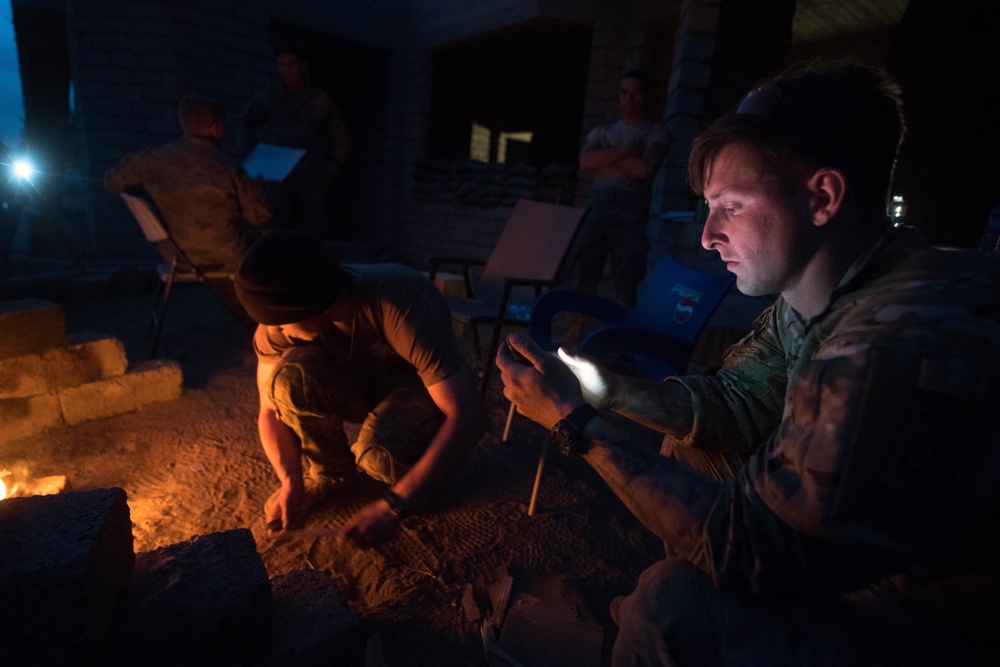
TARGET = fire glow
(4,490)
(42,486)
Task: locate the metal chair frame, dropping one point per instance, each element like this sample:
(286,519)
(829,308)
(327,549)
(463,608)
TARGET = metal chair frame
(169,273)
(524,261)
(674,307)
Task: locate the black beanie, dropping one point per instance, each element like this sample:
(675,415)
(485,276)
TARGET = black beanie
(287,277)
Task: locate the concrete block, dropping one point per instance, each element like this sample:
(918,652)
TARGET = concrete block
(149,382)
(21,417)
(311,622)
(88,359)
(30,326)
(206,602)
(65,564)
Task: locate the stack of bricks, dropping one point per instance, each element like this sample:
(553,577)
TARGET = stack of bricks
(49,378)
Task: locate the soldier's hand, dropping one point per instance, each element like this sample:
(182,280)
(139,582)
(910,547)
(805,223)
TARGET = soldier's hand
(370,526)
(545,390)
(286,513)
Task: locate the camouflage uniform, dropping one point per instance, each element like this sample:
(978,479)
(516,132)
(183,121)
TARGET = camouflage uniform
(308,120)
(203,196)
(871,476)
(400,342)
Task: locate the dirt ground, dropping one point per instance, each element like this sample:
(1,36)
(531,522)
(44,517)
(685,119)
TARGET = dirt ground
(194,466)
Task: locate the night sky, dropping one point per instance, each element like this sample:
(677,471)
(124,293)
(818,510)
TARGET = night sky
(11,104)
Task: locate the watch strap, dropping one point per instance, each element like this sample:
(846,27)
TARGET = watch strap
(568,431)
(581,415)
(396,504)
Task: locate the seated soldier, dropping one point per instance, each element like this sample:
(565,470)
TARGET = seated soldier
(207,201)
(826,497)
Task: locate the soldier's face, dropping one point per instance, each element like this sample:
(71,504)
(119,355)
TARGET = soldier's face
(292,70)
(306,330)
(631,99)
(759,227)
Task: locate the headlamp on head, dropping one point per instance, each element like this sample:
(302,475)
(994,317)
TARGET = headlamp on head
(762,100)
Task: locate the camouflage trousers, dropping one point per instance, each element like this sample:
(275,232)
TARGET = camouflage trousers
(314,395)
(676,616)
(616,230)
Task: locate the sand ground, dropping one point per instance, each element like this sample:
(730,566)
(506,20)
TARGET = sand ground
(194,466)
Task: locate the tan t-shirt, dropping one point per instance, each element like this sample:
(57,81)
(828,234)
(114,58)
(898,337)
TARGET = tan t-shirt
(616,135)
(401,328)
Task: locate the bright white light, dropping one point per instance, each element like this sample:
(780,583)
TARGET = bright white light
(23,169)
(593,384)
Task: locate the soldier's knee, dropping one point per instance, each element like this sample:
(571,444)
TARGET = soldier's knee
(287,387)
(378,462)
(298,378)
(665,600)
(396,433)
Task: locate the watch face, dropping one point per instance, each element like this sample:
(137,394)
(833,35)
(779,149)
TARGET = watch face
(562,435)
(568,432)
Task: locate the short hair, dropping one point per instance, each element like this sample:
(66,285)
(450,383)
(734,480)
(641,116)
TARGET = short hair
(196,112)
(292,46)
(820,113)
(636,73)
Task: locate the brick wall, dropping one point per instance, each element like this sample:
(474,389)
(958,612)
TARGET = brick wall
(722,48)
(132,61)
(437,22)
(621,40)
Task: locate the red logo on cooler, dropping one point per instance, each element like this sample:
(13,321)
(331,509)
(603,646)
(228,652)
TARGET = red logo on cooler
(685,306)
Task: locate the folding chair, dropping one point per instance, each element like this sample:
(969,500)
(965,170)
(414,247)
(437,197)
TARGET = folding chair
(169,273)
(525,259)
(674,306)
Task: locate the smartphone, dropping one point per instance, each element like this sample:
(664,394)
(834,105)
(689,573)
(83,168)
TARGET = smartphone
(515,355)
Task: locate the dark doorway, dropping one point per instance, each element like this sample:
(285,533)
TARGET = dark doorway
(946,56)
(355,75)
(531,79)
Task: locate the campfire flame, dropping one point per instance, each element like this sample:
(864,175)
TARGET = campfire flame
(5,491)
(21,484)
(18,482)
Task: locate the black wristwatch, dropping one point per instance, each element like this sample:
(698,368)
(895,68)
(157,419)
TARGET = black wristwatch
(397,505)
(568,431)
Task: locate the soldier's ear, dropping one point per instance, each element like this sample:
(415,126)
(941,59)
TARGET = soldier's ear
(827,191)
